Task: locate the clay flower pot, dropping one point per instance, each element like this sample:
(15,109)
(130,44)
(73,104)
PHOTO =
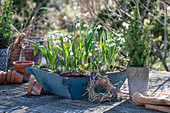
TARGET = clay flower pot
(20,66)
(34,88)
(2,77)
(14,77)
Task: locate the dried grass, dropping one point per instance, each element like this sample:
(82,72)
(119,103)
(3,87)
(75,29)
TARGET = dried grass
(100,89)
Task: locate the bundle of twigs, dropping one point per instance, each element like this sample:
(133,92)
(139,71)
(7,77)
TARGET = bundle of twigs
(100,89)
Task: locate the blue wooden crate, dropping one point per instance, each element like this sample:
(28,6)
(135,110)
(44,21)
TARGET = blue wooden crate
(70,87)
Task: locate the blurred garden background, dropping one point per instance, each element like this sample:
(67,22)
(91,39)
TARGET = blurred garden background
(41,18)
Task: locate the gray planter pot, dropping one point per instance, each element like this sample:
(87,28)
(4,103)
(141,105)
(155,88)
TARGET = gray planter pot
(138,80)
(3,59)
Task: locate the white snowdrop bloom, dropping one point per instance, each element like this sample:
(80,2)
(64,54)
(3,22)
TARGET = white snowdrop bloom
(84,52)
(89,31)
(59,67)
(77,25)
(55,42)
(122,40)
(90,54)
(119,35)
(125,25)
(71,53)
(86,14)
(85,25)
(65,39)
(58,41)
(63,68)
(107,44)
(58,34)
(96,49)
(97,42)
(65,18)
(61,34)
(75,7)
(98,27)
(70,49)
(69,36)
(93,42)
(69,41)
(112,44)
(51,36)
(103,68)
(124,58)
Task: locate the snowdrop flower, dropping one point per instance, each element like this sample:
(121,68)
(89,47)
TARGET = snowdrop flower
(59,67)
(70,49)
(86,14)
(65,18)
(93,42)
(58,41)
(51,36)
(122,40)
(77,25)
(103,68)
(112,44)
(65,39)
(98,27)
(107,44)
(84,52)
(61,34)
(125,25)
(69,41)
(125,59)
(89,31)
(71,53)
(69,36)
(85,25)
(63,68)
(58,34)
(90,54)
(55,42)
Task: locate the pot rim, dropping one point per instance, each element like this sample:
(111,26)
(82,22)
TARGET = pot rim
(23,62)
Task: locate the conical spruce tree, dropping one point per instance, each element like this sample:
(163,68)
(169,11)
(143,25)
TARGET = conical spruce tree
(137,43)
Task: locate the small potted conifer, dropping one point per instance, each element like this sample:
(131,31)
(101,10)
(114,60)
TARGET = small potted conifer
(138,49)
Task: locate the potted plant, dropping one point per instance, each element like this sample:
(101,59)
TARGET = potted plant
(138,48)
(70,61)
(5,32)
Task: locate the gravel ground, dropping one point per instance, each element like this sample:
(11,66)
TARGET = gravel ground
(14,99)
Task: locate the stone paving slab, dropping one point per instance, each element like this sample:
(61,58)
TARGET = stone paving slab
(14,99)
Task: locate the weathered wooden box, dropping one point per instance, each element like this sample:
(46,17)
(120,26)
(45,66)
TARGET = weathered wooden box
(70,87)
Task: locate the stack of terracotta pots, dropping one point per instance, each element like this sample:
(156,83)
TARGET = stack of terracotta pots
(11,77)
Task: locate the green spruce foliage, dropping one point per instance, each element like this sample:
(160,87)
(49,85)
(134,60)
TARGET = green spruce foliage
(5,24)
(137,43)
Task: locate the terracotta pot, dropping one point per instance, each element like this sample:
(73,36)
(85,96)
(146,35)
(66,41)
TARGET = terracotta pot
(34,88)
(138,80)
(14,77)
(2,77)
(20,66)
